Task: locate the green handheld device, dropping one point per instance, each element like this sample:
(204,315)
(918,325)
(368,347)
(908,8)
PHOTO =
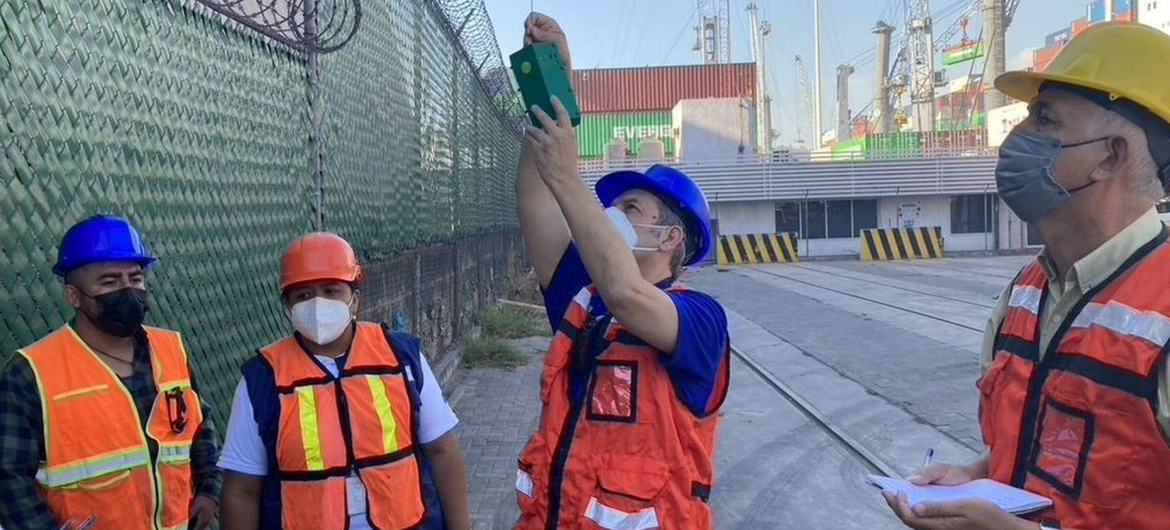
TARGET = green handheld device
(541,75)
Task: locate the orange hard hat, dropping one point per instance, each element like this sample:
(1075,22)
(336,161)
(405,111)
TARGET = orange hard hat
(318,256)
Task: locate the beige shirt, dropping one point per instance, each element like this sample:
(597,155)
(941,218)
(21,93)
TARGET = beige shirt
(1085,274)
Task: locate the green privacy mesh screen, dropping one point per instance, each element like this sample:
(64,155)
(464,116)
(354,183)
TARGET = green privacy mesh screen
(202,134)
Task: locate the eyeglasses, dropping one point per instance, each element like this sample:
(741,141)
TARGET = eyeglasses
(176,412)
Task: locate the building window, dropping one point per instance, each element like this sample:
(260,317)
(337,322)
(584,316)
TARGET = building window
(840,219)
(826,219)
(971,214)
(865,215)
(788,217)
(814,220)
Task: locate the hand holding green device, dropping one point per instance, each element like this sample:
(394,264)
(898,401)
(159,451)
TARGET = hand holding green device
(541,73)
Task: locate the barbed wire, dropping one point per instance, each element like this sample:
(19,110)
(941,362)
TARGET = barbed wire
(309,26)
(472,26)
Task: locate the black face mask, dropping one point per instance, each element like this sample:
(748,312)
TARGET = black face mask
(122,311)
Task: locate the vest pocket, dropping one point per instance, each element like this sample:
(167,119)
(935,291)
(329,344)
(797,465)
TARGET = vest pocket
(626,499)
(131,490)
(394,491)
(987,399)
(177,493)
(314,504)
(1081,450)
(530,487)
(105,482)
(613,392)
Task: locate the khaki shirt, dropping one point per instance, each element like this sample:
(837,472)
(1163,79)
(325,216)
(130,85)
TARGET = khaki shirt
(1084,276)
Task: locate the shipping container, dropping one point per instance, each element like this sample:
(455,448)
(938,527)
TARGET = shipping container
(652,89)
(968,139)
(861,127)
(1079,25)
(1044,56)
(1058,37)
(963,53)
(893,145)
(596,131)
(1097,12)
(849,150)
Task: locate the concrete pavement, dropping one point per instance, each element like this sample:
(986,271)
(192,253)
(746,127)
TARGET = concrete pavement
(886,351)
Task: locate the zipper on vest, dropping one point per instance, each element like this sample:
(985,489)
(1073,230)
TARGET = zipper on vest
(346,433)
(560,458)
(1029,421)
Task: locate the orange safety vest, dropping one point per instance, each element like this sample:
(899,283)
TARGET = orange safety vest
(362,422)
(632,457)
(1080,426)
(97,461)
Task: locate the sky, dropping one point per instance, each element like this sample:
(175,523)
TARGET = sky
(625,33)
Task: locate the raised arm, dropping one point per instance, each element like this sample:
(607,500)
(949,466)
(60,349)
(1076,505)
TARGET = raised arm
(546,234)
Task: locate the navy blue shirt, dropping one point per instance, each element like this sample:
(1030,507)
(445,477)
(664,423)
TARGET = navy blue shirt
(702,342)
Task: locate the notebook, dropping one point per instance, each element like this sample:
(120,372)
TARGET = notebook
(1012,500)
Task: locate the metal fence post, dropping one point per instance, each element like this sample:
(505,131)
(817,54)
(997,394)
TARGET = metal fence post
(316,137)
(456,304)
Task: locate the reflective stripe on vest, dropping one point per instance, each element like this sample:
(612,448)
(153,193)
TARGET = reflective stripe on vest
(361,423)
(1151,326)
(632,455)
(66,474)
(385,413)
(174,453)
(1025,297)
(1090,437)
(97,458)
(614,519)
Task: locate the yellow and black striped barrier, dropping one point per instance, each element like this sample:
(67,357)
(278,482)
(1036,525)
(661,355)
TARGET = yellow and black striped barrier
(884,244)
(739,249)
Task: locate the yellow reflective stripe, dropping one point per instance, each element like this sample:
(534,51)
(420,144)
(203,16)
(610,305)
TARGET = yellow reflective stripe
(385,413)
(169,453)
(177,384)
(310,434)
(97,466)
(80,392)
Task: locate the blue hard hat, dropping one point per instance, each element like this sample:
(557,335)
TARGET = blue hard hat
(100,238)
(677,190)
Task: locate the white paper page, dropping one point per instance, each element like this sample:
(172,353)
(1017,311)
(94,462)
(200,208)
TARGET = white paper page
(1012,500)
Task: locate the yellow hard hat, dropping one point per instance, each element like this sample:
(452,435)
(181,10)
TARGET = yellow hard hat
(1121,59)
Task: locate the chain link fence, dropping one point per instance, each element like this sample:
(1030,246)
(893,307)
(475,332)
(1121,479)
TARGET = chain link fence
(222,146)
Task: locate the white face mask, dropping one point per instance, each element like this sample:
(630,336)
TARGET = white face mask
(629,231)
(321,320)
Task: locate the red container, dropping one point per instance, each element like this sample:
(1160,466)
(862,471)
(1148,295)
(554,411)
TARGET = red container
(1043,57)
(861,128)
(1079,25)
(660,88)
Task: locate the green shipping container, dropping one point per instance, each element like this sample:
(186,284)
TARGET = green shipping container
(897,144)
(597,130)
(849,150)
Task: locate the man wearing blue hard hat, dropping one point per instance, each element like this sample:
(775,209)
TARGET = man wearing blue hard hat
(638,369)
(101,425)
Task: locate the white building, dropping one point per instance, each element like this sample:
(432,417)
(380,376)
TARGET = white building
(1154,13)
(826,203)
(714,128)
